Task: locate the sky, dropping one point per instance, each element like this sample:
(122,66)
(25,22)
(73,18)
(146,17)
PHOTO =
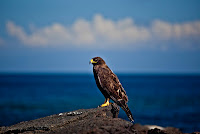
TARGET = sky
(131,36)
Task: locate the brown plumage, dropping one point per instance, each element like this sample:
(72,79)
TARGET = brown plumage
(109,85)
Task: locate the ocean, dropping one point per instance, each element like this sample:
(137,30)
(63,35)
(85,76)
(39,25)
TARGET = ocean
(155,99)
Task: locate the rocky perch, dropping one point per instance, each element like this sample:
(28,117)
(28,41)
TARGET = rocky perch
(97,120)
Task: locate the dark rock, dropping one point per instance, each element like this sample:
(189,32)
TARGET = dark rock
(98,120)
(156,131)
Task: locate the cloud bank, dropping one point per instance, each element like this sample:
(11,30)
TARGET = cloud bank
(101,30)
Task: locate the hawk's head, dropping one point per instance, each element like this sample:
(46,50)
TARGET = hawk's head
(97,61)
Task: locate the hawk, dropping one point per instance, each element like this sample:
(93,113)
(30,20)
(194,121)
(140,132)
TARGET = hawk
(110,86)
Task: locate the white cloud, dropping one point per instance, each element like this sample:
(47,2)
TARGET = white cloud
(122,31)
(167,31)
(105,31)
(55,33)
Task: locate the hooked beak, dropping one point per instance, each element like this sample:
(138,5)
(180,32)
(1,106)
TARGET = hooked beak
(92,61)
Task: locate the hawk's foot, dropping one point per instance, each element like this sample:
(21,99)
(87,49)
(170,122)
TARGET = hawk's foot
(105,104)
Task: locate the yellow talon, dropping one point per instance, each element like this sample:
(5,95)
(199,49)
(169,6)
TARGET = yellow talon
(106,103)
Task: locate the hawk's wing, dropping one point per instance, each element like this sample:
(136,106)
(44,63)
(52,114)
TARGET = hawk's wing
(111,84)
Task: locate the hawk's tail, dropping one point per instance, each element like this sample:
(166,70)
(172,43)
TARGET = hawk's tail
(124,106)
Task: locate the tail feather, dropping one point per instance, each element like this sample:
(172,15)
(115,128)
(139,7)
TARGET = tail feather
(125,107)
(129,114)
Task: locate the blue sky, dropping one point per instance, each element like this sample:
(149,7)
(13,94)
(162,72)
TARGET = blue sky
(132,36)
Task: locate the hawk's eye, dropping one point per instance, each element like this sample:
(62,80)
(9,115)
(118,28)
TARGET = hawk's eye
(95,59)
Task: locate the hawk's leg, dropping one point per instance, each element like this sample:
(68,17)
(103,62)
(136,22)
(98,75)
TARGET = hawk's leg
(106,103)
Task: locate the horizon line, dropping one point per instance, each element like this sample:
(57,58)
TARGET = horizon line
(85,72)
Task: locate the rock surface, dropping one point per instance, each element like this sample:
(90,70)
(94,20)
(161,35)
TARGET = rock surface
(97,120)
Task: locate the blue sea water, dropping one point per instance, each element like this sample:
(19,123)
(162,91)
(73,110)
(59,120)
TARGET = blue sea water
(165,100)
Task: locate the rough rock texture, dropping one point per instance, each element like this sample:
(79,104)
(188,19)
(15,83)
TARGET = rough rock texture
(97,120)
